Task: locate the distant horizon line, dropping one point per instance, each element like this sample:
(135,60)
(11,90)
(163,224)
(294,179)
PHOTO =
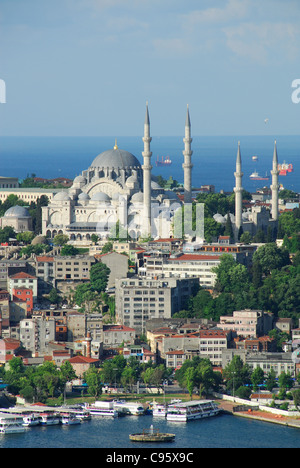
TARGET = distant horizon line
(153,136)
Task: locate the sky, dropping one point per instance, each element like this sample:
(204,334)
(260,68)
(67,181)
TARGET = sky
(88,67)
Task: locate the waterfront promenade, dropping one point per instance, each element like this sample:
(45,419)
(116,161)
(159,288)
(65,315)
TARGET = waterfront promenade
(228,407)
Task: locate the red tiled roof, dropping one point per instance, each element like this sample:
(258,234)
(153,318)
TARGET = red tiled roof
(22,275)
(116,328)
(82,360)
(45,258)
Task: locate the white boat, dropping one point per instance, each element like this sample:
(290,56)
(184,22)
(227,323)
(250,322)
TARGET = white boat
(129,407)
(68,419)
(49,419)
(102,408)
(159,410)
(187,411)
(11,424)
(31,420)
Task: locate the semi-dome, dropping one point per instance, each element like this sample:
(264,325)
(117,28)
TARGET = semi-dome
(115,158)
(100,196)
(79,180)
(137,198)
(17,212)
(83,196)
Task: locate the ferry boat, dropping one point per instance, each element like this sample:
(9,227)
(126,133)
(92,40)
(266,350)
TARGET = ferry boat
(284,168)
(11,424)
(163,161)
(256,176)
(102,408)
(31,420)
(68,419)
(49,419)
(254,158)
(129,407)
(159,410)
(187,411)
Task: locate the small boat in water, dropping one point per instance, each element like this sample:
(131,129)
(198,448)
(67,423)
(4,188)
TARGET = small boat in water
(152,436)
(31,420)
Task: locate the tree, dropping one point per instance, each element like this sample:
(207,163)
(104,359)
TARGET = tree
(271,380)
(93,380)
(257,377)
(99,274)
(190,380)
(236,374)
(69,250)
(54,296)
(60,239)
(271,257)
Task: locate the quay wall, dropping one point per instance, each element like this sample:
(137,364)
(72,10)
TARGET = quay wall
(289,414)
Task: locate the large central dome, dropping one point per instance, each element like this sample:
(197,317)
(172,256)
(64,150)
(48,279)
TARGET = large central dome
(115,158)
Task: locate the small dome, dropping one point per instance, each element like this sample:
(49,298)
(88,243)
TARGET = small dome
(39,240)
(155,185)
(79,179)
(100,196)
(137,197)
(219,218)
(83,196)
(17,212)
(61,196)
(171,195)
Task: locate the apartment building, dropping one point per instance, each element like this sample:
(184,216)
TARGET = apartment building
(140,299)
(10,267)
(36,334)
(23,280)
(208,344)
(180,265)
(248,323)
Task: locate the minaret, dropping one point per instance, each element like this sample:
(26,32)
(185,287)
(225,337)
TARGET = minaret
(238,191)
(147,174)
(187,165)
(275,185)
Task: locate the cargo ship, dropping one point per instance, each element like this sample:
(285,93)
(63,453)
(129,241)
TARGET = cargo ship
(163,161)
(284,168)
(256,176)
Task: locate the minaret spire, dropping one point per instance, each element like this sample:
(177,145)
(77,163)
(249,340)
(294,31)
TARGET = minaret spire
(238,191)
(187,165)
(147,174)
(275,185)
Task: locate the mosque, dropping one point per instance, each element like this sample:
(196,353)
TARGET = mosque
(117,188)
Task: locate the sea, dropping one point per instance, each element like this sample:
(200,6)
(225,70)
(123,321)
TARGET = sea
(213,157)
(222,431)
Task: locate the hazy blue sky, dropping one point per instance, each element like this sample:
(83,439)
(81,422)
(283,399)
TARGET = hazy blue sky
(87,67)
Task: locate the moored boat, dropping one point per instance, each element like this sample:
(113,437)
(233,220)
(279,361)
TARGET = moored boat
(49,419)
(128,407)
(159,410)
(102,408)
(31,420)
(68,419)
(11,424)
(189,410)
